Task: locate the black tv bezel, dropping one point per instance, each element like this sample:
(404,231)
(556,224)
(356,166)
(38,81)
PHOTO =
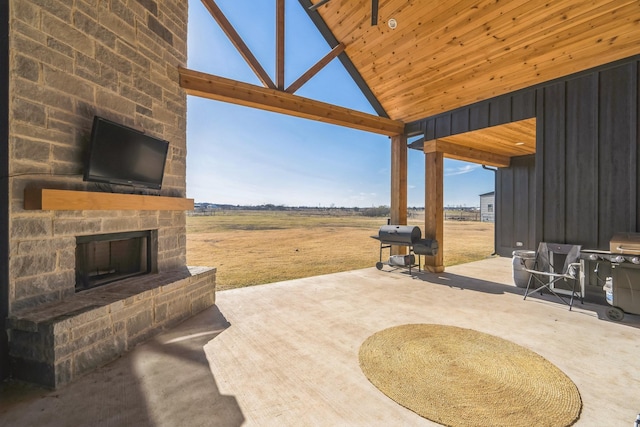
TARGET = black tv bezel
(114,180)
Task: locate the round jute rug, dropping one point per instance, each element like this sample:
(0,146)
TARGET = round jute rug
(461,377)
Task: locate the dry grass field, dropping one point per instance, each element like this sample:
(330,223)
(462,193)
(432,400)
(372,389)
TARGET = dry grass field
(251,248)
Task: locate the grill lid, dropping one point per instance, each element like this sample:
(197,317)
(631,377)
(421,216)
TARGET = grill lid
(400,234)
(625,243)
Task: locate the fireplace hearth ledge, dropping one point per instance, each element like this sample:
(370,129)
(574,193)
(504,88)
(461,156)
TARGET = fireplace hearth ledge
(53,344)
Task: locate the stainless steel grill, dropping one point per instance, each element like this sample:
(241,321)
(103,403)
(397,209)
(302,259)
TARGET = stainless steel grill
(622,281)
(404,235)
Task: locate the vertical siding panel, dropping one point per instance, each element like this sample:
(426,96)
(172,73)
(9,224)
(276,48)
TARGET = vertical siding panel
(443,126)
(637,144)
(554,163)
(539,165)
(523,105)
(581,181)
(505,206)
(614,152)
(521,206)
(460,121)
(500,110)
(532,203)
(479,116)
(430,130)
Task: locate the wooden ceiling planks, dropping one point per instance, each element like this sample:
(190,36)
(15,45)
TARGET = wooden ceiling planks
(449,53)
(508,140)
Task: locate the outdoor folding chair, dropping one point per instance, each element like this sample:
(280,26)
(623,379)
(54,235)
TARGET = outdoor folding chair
(554,263)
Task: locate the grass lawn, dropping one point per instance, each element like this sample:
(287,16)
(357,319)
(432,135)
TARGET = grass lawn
(256,247)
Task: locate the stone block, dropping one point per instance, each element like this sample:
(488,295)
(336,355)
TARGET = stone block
(112,225)
(202,302)
(117,62)
(139,323)
(115,102)
(97,355)
(150,5)
(27,68)
(91,328)
(64,81)
(76,227)
(160,314)
(65,154)
(29,112)
(64,49)
(132,55)
(123,12)
(136,96)
(36,132)
(31,265)
(179,307)
(33,371)
(19,304)
(111,21)
(31,228)
(66,33)
(41,53)
(26,12)
(54,282)
(55,8)
(63,372)
(90,26)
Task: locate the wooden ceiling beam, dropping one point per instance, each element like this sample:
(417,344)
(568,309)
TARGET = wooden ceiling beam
(237,41)
(221,89)
(314,69)
(467,154)
(280,44)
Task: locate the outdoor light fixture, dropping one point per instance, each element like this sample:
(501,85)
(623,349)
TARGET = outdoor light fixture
(392,23)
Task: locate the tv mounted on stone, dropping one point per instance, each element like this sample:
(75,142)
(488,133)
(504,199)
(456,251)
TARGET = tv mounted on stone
(121,155)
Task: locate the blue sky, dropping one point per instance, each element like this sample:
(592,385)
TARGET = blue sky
(241,155)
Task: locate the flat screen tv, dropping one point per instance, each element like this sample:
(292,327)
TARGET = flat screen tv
(121,155)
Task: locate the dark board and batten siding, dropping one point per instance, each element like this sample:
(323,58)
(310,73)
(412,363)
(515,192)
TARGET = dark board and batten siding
(582,184)
(493,112)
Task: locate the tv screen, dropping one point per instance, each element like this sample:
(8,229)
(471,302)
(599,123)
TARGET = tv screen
(121,155)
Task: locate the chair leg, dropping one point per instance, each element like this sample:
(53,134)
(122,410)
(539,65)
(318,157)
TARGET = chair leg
(526,291)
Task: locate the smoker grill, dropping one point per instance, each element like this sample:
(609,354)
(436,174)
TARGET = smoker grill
(404,235)
(622,287)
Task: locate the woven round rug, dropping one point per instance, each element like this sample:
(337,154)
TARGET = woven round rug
(461,377)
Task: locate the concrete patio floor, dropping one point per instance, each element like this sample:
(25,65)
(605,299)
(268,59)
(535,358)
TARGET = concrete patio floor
(286,354)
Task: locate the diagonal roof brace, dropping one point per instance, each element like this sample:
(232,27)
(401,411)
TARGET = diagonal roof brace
(346,62)
(237,41)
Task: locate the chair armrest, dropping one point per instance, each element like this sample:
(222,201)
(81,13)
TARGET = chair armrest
(573,269)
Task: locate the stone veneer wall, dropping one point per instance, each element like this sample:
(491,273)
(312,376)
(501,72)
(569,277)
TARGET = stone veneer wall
(71,60)
(68,61)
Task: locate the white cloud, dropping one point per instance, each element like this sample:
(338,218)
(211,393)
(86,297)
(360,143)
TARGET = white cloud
(461,170)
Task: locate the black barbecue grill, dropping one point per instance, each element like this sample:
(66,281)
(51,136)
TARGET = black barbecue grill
(404,235)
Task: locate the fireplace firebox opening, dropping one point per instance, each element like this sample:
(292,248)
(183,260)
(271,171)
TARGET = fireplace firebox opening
(107,258)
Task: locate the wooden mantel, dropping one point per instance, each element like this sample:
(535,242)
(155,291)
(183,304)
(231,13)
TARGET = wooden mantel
(70,200)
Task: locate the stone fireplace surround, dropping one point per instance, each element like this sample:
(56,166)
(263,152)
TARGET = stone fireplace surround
(53,344)
(68,62)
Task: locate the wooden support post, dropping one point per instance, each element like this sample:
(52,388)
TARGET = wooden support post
(434,208)
(399,186)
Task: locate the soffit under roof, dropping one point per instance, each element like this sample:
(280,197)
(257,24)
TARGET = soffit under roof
(450,53)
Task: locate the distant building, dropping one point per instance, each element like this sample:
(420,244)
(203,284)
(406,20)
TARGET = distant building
(487,207)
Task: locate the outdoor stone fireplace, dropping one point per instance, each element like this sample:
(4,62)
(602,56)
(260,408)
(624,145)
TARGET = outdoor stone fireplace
(89,281)
(107,258)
